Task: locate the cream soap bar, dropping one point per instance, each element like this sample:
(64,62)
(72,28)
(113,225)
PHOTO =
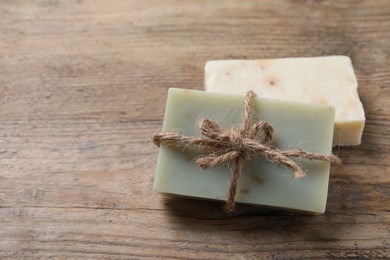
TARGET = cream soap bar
(319,80)
(296,125)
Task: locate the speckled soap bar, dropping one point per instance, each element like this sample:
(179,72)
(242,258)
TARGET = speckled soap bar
(296,125)
(320,80)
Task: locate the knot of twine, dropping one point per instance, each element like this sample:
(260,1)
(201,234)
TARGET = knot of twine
(238,145)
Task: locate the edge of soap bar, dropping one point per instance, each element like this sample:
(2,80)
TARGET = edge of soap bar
(346,59)
(346,137)
(171,107)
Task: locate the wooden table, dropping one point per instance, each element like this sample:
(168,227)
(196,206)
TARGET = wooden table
(83,87)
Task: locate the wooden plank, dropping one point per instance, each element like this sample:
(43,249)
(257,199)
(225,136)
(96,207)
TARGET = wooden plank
(117,232)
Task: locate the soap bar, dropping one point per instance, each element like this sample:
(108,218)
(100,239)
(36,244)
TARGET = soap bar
(320,80)
(296,125)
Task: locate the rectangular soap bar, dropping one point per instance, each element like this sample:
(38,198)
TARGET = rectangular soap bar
(319,80)
(296,125)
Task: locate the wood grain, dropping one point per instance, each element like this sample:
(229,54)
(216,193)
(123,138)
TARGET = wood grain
(83,86)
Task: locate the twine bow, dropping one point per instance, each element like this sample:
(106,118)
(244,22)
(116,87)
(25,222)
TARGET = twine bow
(238,145)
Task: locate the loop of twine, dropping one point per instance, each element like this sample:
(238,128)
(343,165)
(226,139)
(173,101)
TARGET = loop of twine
(238,145)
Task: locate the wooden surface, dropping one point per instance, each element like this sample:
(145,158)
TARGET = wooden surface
(83,85)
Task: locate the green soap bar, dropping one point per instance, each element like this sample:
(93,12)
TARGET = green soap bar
(296,125)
